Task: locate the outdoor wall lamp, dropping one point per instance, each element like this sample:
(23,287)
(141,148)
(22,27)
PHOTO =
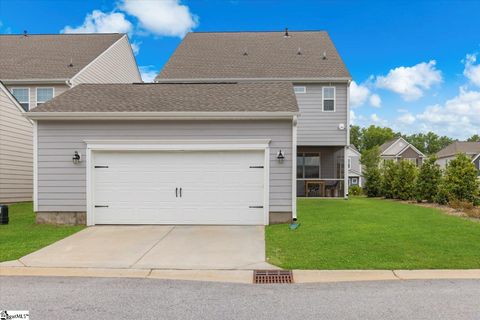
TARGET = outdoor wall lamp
(77,157)
(280,156)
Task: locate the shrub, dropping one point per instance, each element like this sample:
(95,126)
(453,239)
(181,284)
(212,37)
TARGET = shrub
(390,172)
(405,180)
(371,160)
(428,181)
(355,191)
(442,194)
(461,179)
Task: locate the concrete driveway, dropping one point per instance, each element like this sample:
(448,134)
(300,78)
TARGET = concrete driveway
(157,247)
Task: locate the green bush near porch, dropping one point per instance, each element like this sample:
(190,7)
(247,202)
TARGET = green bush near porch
(22,236)
(370,233)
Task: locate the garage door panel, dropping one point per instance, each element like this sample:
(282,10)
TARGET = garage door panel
(217,187)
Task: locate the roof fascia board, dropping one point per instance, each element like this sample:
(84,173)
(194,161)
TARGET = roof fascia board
(409,145)
(96,58)
(13,99)
(396,141)
(196,80)
(158,115)
(34,81)
(476,157)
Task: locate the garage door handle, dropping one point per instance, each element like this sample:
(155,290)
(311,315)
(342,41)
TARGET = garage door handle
(176,192)
(101,206)
(180,192)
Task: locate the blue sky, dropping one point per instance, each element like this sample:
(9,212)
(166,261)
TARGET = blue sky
(414,63)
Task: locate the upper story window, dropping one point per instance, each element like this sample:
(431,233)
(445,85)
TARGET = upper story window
(298,89)
(23,97)
(43,95)
(328,94)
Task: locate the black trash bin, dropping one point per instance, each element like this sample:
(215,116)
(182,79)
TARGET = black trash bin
(3,214)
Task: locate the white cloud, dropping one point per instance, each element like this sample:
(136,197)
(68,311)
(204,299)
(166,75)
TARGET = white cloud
(375,100)
(101,22)
(472,70)
(162,17)
(458,117)
(148,73)
(374,118)
(407,118)
(411,82)
(360,93)
(135,47)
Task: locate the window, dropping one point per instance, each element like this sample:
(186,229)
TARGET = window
(328,94)
(354,181)
(43,95)
(308,166)
(23,97)
(349,163)
(300,89)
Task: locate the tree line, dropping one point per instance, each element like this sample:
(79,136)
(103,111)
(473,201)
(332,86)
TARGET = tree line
(429,143)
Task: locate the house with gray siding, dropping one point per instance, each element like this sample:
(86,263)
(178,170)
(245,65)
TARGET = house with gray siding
(471,149)
(35,68)
(235,127)
(400,149)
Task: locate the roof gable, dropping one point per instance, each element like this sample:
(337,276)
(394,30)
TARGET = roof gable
(397,146)
(255,55)
(459,147)
(50,56)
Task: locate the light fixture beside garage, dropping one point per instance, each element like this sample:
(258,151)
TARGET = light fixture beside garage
(280,156)
(77,157)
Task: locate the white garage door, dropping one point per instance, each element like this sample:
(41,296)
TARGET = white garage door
(191,187)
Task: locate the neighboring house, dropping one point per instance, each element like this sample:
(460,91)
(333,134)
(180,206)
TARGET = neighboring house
(237,125)
(33,70)
(471,149)
(399,149)
(355,175)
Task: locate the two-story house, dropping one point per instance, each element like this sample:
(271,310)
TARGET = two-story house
(471,149)
(237,125)
(399,149)
(355,174)
(35,68)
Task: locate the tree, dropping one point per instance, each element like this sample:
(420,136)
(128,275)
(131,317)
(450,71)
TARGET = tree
(405,180)
(474,138)
(356,137)
(376,136)
(390,171)
(429,179)
(429,143)
(461,179)
(371,160)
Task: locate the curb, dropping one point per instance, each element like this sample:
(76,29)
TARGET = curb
(243,276)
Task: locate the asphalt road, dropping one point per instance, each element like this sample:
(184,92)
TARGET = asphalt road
(107,298)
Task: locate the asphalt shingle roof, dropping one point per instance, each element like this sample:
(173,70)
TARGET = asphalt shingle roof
(192,97)
(459,147)
(48,56)
(237,55)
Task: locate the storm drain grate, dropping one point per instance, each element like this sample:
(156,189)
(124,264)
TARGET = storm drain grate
(272,276)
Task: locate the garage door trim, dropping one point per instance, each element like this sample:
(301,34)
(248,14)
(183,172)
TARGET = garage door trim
(174,145)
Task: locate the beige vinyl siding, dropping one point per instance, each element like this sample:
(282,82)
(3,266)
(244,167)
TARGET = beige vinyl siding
(16,153)
(116,65)
(319,128)
(62,186)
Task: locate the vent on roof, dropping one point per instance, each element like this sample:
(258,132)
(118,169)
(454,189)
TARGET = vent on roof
(324,55)
(299,51)
(245,52)
(71,63)
(272,276)
(286,35)
(25,33)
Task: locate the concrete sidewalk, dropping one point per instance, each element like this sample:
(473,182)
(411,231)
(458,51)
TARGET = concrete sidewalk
(238,276)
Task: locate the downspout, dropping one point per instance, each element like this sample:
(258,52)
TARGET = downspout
(347,147)
(294,168)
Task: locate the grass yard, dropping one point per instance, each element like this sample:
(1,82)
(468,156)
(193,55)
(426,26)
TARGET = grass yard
(22,236)
(364,233)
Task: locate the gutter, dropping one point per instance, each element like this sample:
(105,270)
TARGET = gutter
(35,81)
(158,115)
(197,80)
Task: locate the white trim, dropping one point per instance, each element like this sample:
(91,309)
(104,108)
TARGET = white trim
(356,179)
(34,81)
(334,98)
(13,99)
(294,167)
(475,158)
(72,79)
(36,94)
(354,150)
(35,166)
(158,115)
(348,117)
(19,102)
(345,172)
(174,145)
(314,80)
(304,89)
(409,145)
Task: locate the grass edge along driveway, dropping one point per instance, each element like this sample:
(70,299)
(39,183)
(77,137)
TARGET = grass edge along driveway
(22,236)
(364,233)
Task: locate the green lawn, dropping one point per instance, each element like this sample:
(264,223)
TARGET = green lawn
(364,233)
(22,236)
